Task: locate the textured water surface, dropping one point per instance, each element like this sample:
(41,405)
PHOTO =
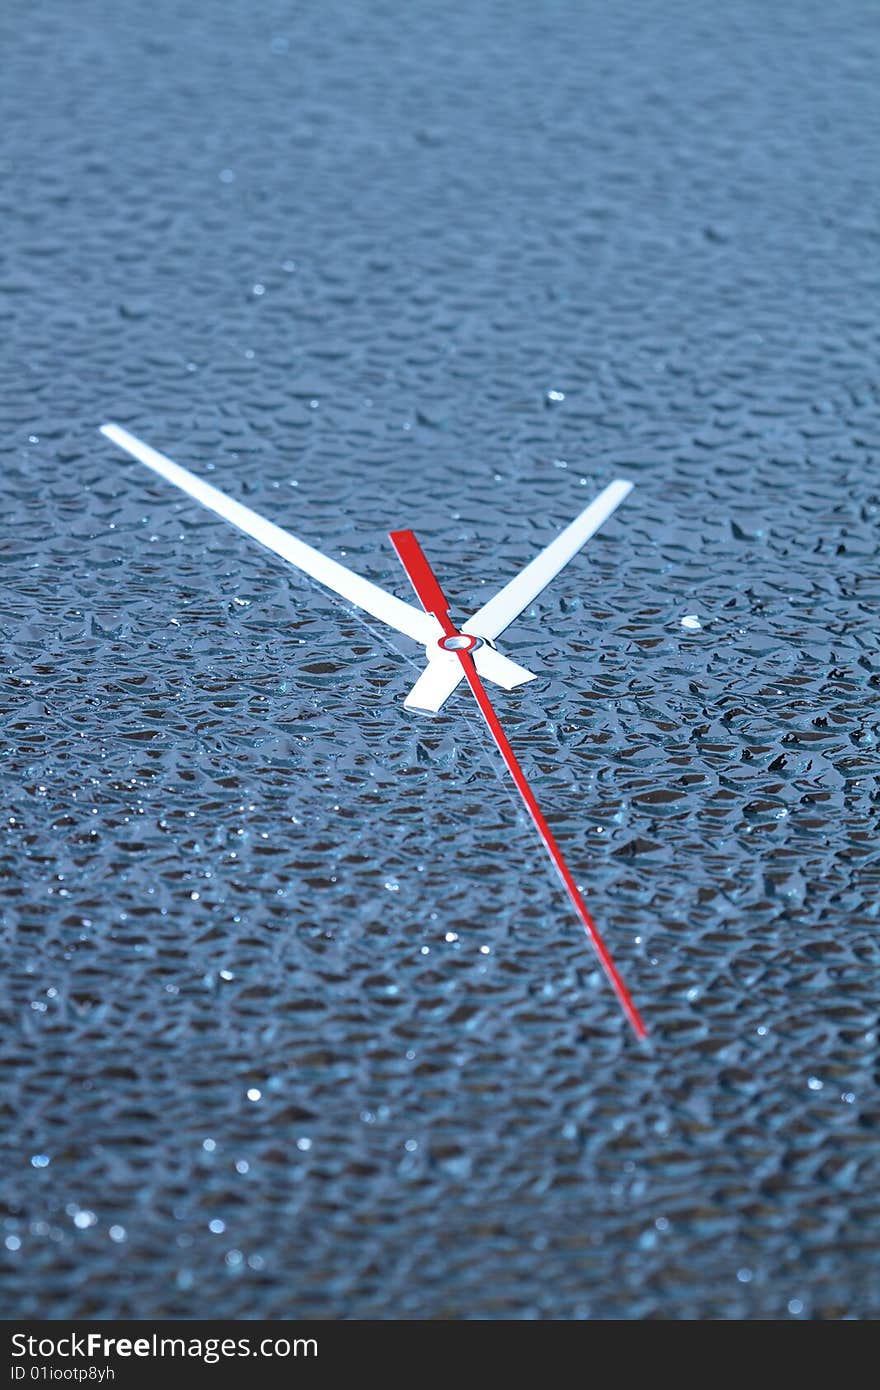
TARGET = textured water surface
(295,1020)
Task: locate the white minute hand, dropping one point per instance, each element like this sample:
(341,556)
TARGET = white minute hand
(404,617)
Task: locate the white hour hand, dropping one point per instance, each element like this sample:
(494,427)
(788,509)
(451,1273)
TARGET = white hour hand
(491,620)
(442,678)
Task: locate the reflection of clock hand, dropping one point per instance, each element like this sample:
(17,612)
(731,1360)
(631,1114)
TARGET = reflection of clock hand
(404,617)
(462,645)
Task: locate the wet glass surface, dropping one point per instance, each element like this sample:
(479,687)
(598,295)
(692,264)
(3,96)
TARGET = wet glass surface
(295,1020)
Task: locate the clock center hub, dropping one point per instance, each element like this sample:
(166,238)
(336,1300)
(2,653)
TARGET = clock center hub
(460,642)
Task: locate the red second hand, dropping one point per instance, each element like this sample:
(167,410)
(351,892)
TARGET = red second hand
(434,601)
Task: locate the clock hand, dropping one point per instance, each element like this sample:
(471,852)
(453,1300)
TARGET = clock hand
(393,611)
(441,678)
(491,620)
(462,644)
(403,617)
(435,685)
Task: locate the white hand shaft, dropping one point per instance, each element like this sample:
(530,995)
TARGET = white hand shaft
(440,679)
